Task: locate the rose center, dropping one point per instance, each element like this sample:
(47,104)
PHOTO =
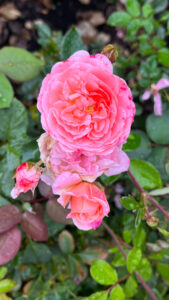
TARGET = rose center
(90,109)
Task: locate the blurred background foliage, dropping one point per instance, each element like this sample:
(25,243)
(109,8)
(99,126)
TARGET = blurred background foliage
(74,264)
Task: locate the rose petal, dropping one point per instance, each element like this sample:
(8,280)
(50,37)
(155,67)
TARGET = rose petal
(157,105)
(146,95)
(162,83)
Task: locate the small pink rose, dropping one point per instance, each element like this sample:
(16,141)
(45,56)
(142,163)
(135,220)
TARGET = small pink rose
(88,205)
(27,177)
(84,107)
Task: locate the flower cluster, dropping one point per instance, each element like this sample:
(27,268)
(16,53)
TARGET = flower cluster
(86,112)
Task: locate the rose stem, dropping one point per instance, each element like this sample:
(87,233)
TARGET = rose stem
(144,284)
(156,204)
(37,200)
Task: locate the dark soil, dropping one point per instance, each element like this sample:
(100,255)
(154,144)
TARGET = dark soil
(58,14)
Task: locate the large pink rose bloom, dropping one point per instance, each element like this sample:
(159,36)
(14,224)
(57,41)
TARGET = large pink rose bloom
(66,169)
(27,177)
(84,106)
(88,205)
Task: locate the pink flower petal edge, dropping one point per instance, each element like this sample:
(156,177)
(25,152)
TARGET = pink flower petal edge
(162,83)
(157,105)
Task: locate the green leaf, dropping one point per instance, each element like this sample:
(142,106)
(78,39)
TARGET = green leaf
(130,287)
(139,217)
(44,34)
(147,10)
(149,69)
(66,242)
(119,260)
(148,26)
(3,201)
(158,158)
(127,236)
(160,192)
(163,231)
(53,227)
(139,238)
(36,253)
(133,142)
(129,202)
(158,42)
(30,151)
(3,272)
(133,26)
(163,269)
(119,18)
(146,174)
(6,92)
(159,5)
(108,180)
(71,43)
(98,296)
(163,55)
(14,123)
(165,17)
(19,64)
(133,259)
(157,128)
(144,47)
(6,179)
(144,269)
(144,149)
(167,167)
(6,285)
(103,273)
(133,8)
(117,293)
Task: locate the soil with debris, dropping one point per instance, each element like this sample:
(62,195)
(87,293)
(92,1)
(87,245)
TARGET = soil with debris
(18,19)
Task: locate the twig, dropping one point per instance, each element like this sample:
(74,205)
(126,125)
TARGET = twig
(119,281)
(37,200)
(144,284)
(156,204)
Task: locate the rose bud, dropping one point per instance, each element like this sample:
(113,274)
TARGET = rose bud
(88,205)
(27,177)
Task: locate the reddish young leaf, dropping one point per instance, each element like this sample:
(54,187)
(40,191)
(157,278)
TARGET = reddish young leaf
(38,209)
(56,212)
(34,226)
(9,217)
(44,189)
(9,245)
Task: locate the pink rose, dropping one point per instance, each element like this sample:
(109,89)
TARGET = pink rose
(67,168)
(84,106)
(27,177)
(88,205)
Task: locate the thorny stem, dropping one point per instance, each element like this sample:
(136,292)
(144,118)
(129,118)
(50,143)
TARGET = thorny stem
(156,204)
(144,284)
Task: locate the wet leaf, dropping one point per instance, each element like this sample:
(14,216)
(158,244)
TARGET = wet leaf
(9,217)
(103,273)
(57,212)
(9,245)
(34,227)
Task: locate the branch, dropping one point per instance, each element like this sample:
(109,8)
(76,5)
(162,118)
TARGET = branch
(141,190)
(144,284)
(37,200)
